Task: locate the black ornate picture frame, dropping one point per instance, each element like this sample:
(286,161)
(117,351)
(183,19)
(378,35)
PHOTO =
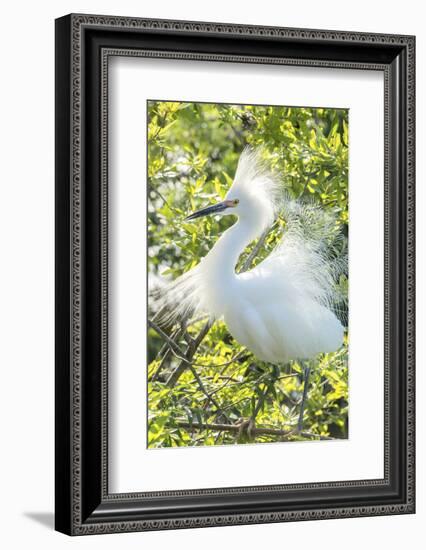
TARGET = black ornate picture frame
(84,43)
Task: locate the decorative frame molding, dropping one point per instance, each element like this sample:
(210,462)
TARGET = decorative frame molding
(84,43)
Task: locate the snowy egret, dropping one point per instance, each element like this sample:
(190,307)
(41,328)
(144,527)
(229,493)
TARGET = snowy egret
(282,309)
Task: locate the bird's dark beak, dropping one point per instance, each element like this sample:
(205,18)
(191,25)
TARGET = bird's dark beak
(215,209)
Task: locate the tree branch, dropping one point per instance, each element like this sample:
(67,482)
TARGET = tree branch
(190,352)
(183,356)
(248,261)
(206,393)
(172,344)
(166,351)
(254,431)
(233,428)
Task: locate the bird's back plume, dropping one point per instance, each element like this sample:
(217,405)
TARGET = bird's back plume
(312,253)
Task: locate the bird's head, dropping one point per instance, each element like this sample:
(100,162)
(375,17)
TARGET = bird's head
(252,195)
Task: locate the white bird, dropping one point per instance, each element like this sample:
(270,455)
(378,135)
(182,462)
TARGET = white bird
(282,309)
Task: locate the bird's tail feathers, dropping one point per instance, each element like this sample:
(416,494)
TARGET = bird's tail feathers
(178,300)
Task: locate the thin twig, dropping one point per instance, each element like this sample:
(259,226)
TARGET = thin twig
(190,352)
(165,352)
(284,376)
(206,393)
(172,208)
(235,403)
(228,380)
(260,402)
(179,354)
(264,394)
(308,175)
(173,346)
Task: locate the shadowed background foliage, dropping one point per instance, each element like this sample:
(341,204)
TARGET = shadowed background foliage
(202,385)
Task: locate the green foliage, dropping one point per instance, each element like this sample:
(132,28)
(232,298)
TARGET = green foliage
(193,150)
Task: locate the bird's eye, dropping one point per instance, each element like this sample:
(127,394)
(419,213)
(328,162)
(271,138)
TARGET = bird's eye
(236,201)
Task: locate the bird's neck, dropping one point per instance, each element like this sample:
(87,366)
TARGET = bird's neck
(224,256)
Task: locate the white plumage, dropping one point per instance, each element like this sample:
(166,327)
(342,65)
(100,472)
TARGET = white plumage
(282,309)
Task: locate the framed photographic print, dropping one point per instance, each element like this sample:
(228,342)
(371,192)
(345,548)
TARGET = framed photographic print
(234,274)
